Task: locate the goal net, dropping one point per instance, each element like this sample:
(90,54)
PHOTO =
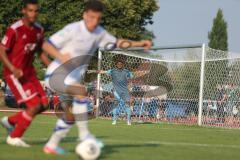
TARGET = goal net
(221,89)
(167,86)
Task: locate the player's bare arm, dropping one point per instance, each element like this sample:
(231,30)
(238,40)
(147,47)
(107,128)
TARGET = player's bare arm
(124,43)
(102,72)
(3,55)
(54,53)
(44,58)
(97,71)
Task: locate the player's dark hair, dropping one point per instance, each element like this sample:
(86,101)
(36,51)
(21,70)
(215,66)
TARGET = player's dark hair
(94,5)
(119,60)
(27,2)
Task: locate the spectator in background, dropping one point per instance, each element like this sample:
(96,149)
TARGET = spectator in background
(153,106)
(138,106)
(48,91)
(232,97)
(161,109)
(220,104)
(9,98)
(106,105)
(2,85)
(92,97)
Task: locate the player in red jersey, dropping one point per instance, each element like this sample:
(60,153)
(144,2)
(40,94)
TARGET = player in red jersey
(21,41)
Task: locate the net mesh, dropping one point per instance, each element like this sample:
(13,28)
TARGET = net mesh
(221,89)
(166,86)
(160,86)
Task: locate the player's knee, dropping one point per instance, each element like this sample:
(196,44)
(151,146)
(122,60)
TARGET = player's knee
(36,105)
(34,111)
(44,104)
(78,90)
(69,117)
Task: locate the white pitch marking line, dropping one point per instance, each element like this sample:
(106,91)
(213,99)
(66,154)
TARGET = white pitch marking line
(153,143)
(177,144)
(176,129)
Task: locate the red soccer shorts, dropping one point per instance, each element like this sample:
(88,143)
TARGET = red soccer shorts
(27,90)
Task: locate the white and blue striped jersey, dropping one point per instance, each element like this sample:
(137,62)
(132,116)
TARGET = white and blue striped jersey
(76,40)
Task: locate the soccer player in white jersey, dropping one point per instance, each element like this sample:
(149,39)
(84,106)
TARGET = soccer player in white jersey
(79,39)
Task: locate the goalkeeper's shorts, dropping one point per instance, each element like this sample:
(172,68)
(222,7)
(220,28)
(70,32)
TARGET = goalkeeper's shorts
(125,97)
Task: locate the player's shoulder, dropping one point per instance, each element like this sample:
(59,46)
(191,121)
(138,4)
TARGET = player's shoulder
(100,30)
(126,70)
(113,69)
(38,26)
(16,25)
(74,25)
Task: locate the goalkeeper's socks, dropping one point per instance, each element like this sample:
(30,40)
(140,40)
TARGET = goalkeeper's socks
(114,114)
(15,118)
(128,112)
(60,131)
(80,112)
(21,126)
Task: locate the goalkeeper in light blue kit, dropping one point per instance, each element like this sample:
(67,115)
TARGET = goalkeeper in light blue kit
(120,77)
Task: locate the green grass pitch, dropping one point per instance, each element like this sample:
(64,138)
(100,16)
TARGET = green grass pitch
(136,142)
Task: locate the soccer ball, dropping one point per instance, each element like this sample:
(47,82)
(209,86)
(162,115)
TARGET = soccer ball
(88,149)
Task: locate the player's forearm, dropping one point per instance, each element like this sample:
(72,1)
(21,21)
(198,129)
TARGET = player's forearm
(5,60)
(102,72)
(51,50)
(136,43)
(123,44)
(97,71)
(44,58)
(145,43)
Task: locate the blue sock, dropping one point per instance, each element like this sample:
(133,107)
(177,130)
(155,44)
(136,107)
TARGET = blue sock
(128,113)
(115,110)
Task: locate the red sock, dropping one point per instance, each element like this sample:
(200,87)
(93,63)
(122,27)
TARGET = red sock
(13,120)
(22,125)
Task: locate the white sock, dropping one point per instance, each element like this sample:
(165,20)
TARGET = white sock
(60,132)
(81,118)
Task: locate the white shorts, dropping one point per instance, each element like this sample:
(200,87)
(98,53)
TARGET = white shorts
(75,76)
